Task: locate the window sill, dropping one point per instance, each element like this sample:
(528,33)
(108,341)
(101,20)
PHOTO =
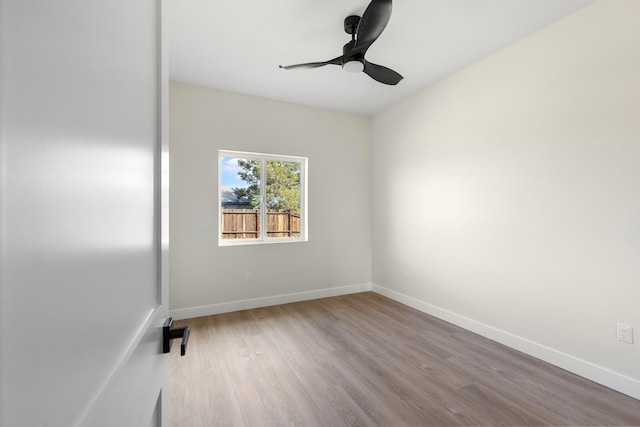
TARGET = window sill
(256,242)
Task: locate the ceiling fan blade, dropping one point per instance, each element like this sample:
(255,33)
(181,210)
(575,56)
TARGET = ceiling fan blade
(334,61)
(382,74)
(373,22)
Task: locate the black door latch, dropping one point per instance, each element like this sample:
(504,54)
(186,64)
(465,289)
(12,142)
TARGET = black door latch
(169,333)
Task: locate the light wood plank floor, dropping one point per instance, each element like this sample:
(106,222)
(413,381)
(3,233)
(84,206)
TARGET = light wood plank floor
(364,360)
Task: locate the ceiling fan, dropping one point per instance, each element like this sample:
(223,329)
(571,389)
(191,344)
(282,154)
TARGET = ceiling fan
(364,31)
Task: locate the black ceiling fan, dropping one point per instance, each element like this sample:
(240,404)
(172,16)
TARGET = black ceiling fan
(364,31)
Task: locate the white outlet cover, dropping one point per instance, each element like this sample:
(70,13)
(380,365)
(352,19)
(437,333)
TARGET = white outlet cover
(625,333)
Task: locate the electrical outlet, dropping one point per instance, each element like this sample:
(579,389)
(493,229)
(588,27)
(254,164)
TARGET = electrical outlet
(625,333)
(248,277)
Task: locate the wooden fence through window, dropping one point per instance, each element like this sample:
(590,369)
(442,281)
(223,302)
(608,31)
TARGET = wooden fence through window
(245,224)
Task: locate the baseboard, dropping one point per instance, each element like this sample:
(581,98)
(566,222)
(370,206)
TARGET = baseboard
(228,307)
(601,375)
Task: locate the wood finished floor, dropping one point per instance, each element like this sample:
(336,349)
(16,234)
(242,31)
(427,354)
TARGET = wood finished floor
(365,360)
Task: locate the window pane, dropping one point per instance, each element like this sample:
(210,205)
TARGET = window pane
(240,198)
(282,199)
(261,198)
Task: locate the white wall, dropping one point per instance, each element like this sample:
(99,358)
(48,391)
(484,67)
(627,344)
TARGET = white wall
(507,197)
(206,278)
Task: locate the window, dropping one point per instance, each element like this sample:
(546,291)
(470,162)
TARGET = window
(262,198)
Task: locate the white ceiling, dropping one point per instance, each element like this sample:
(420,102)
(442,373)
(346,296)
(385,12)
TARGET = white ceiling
(237,45)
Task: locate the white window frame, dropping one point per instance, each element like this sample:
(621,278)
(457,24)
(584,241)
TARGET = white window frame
(263,158)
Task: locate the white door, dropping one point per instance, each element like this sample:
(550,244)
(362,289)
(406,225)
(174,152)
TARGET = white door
(83,292)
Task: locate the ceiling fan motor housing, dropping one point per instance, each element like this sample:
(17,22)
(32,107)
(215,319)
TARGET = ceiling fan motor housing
(352,63)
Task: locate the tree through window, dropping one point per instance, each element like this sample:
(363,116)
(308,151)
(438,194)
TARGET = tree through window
(262,198)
